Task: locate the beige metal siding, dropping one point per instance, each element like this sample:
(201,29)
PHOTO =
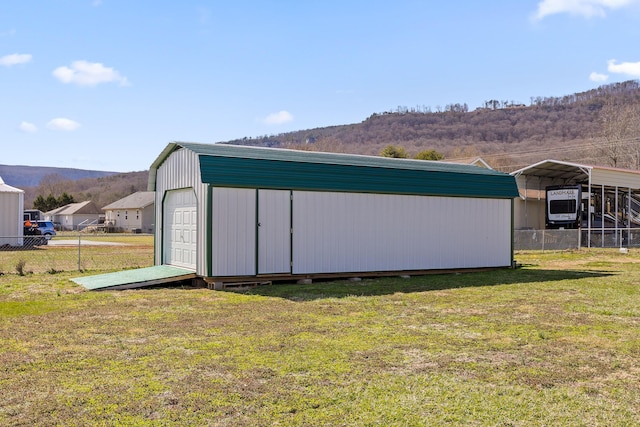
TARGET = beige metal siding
(529,214)
(181,170)
(615,178)
(348,232)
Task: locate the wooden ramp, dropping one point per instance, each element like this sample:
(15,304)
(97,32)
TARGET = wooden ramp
(128,279)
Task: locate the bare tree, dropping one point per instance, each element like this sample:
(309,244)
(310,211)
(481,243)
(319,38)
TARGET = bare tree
(52,183)
(619,135)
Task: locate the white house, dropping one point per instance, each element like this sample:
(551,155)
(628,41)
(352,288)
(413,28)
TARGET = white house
(232,212)
(75,216)
(11,207)
(132,213)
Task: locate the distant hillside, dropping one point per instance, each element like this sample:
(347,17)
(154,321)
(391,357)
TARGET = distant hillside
(29,176)
(102,191)
(507,134)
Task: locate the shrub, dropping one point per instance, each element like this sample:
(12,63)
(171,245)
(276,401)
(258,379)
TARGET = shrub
(20,267)
(393,151)
(429,155)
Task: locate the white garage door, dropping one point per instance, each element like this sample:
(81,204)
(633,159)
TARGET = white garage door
(180,236)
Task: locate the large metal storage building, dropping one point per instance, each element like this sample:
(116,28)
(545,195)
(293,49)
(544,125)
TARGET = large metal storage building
(11,208)
(231,212)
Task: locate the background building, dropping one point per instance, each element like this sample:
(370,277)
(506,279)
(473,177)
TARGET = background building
(132,213)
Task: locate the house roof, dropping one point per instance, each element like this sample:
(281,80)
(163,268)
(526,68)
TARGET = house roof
(258,167)
(80,208)
(138,200)
(5,188)
(475,161)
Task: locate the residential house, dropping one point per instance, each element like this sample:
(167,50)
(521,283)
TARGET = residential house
(133,213)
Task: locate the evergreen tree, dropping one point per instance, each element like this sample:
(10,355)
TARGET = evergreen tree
(40,203)
(65,199)
(51,202)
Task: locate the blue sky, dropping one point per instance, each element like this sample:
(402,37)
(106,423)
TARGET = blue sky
(106,84)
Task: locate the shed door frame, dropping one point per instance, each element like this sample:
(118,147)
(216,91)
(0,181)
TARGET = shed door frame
(273,231)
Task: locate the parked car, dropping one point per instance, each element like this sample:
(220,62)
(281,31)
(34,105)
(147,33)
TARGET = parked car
(47,229)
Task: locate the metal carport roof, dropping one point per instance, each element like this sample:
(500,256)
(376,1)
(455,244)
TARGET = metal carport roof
(561,172)
(557,171)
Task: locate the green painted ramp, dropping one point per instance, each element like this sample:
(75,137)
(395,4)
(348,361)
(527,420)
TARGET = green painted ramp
(137,278)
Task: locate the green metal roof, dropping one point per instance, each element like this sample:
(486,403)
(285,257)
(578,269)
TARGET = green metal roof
(254,167)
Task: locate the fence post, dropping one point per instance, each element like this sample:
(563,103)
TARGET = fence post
(79,244)
(579,238)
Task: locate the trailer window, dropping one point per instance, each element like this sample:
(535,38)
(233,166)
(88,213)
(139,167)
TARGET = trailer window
(562,206)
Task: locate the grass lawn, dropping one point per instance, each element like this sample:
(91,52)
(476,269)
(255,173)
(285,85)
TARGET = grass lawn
(115,251)
(556,342)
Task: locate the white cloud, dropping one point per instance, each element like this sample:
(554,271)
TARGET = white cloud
(9,33)
(62,123)
(598,77)
(629,68)
(96,3)
(14,59)
(84,73)
(586,8)
(278,118)
(27,127)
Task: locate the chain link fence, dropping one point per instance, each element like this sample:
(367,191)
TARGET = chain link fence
(119,251)
(615,238)
(75,252)
(531,240)
(575,239)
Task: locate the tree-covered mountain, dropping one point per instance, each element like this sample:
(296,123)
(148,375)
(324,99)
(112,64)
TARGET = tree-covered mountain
(507,134)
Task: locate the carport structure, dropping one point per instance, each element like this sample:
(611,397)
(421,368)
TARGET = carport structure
(612,195)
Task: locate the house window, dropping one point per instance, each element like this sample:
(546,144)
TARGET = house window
(126,215)
(118,214)
(137,214)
